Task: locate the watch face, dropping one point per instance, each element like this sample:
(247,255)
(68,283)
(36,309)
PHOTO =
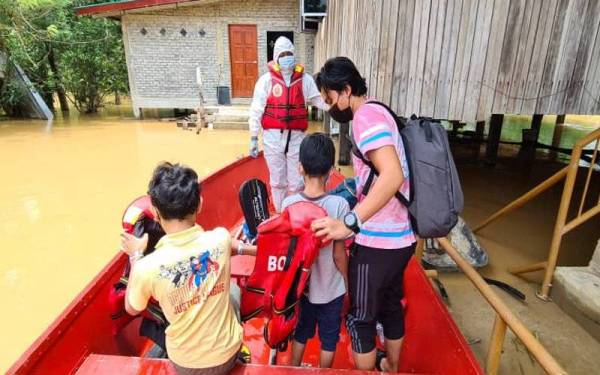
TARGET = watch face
(350,220)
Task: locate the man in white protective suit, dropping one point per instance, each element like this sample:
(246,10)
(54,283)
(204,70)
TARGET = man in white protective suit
(279,108)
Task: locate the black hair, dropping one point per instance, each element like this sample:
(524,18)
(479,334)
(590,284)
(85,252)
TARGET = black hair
(174,191)
(317,154)
(339,72)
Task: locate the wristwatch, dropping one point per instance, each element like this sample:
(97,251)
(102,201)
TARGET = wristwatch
(352,222)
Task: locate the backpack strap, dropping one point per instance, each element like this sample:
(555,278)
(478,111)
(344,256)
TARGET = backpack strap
(373,171)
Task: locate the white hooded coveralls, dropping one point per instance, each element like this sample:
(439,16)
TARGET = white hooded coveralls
(283,169)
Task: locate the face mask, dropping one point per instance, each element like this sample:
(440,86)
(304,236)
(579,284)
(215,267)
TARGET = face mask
(341,116)
(287,62)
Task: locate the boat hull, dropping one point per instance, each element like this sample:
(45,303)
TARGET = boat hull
(81,335)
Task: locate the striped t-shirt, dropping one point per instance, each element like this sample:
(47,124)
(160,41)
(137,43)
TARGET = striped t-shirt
(372,128)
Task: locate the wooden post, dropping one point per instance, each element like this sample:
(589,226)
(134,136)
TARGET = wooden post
(491,151)
(479,134)
(455,126)
(532,344)
(530,139)
(479,130)
(326,123)
(557,135)
(495,349)
(561,219)
(345,144)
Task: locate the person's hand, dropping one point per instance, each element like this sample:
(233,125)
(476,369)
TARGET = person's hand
(330,229)
(254,147)
(131,244)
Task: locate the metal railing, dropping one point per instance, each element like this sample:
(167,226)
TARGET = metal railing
(504,318)
(562,225)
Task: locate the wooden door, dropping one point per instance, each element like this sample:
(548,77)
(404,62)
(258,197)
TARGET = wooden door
(244,60)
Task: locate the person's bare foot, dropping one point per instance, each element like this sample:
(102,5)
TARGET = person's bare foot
(384,365)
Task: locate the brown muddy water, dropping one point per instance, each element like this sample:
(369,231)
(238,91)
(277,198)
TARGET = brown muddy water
(64,187)
(62,194)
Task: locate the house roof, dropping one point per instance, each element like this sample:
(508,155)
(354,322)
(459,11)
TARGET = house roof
(117,8)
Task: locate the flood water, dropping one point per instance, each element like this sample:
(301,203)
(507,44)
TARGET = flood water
(62,193)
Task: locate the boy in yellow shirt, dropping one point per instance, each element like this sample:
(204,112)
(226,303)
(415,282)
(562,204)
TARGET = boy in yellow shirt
(189,275)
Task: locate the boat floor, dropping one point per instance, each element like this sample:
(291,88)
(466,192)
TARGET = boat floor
(113,364)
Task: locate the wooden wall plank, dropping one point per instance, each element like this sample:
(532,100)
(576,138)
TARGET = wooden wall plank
(538,58)
(485,13)
(523,60)
(584,53)
(414,57)
(465,49)
(432,56)
(387,49)
(391,57)
(447,59)
(568,54)
(492,59)
(545,93)
(589,98)
(421,54)
(403,56)
(466,59)
(509,55)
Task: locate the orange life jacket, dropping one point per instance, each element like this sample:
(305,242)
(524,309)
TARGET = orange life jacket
(285,108)
(287,248)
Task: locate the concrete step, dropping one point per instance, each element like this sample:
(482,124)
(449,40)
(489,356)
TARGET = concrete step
(230,118)
(236,125)
(577,291)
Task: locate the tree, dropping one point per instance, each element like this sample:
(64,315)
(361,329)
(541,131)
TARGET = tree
(78,58)
(91,71)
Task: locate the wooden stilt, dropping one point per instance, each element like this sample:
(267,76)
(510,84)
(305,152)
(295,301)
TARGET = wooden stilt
(491,152)
(530,139)
(455,126)
(345,144)
(557,135)
(326,123)
(495,349)
(479,130)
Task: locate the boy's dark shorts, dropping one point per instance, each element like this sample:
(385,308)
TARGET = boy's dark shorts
(375,278)
(327,316)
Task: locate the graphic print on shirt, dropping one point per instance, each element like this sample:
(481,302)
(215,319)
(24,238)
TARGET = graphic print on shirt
(193,280)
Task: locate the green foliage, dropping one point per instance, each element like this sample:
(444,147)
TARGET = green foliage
(61,52)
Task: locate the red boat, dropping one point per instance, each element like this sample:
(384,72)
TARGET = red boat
(80,339)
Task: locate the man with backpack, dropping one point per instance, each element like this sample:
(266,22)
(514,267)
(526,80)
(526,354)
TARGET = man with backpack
(384,238)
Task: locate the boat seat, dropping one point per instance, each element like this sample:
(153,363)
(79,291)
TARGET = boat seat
(114,364)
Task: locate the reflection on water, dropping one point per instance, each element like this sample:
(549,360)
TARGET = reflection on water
(63,190)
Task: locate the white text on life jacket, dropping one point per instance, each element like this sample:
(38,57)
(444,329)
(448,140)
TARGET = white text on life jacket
(276,263)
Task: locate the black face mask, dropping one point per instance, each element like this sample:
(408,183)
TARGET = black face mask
(341,116)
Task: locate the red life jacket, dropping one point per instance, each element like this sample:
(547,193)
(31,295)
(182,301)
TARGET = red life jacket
(137,219)
(287,248)
(285,107)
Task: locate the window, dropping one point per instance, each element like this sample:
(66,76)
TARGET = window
(314,7)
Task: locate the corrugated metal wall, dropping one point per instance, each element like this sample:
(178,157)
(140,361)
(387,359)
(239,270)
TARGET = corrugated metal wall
(466,59)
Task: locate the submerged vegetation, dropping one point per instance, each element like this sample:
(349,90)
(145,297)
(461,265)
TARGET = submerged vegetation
(80,60)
